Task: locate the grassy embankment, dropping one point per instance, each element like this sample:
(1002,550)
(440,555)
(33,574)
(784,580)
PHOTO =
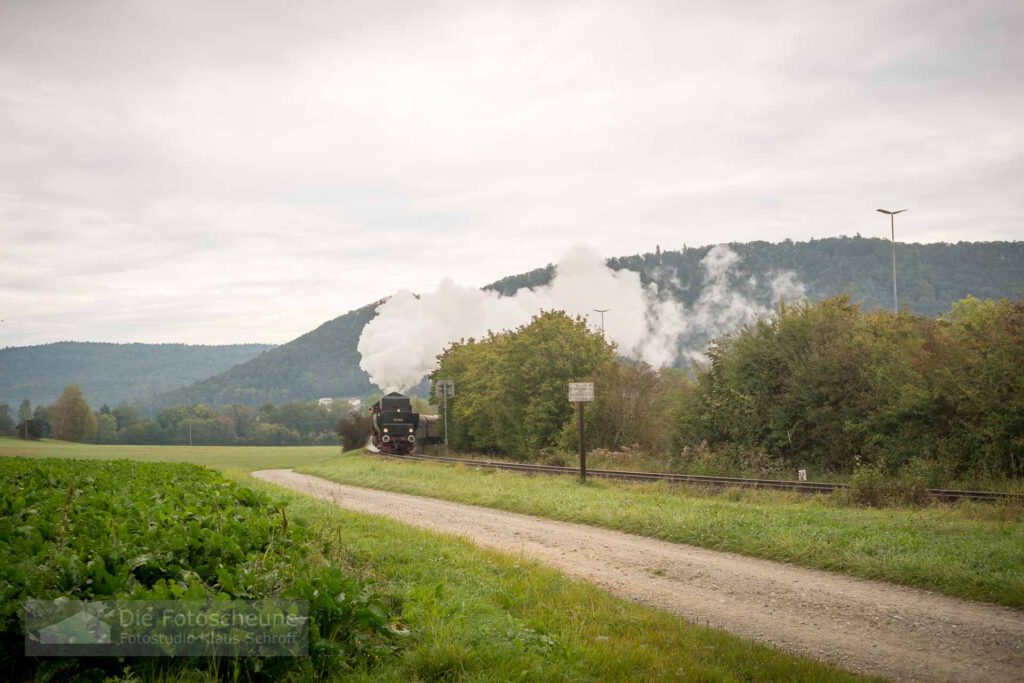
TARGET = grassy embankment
(479,615)
(972,550)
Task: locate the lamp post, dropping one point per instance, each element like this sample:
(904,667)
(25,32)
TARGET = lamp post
(892,226)
(602,311)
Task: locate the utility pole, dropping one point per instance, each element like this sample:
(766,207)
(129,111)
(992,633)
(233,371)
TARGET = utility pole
(892,227)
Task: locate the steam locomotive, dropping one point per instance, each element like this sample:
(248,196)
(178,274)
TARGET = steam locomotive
(394,424)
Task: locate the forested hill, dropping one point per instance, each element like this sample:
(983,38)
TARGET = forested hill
(111,373)
(321,363)
(931,277)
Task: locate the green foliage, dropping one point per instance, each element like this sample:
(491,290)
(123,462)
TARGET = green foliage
(71,417)
(106,428)
(6,420)
(290,424)
(634,405)
(827,386)
(138,531)
(511,394)
(354,429)
(111,373)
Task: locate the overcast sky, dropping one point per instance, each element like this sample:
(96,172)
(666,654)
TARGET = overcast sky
(219,172)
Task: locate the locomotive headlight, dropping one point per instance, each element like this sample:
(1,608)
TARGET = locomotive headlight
(385,430)
(410,430)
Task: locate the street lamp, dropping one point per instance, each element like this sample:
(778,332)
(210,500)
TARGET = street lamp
(892,225)
(602,311)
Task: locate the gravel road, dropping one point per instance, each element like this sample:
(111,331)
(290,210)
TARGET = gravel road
(868,627)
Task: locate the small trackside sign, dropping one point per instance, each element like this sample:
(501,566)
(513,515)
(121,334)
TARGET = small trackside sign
(581,392)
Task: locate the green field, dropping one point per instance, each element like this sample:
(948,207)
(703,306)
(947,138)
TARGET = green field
(461,613)
(243,458)
(127,530)
(972,550)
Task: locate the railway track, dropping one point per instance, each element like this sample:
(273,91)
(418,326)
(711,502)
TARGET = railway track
(808,487)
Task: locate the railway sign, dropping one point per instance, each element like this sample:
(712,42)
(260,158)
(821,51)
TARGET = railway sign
(581,392)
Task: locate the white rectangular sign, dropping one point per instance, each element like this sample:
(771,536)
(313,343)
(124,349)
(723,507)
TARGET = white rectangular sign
(580,392)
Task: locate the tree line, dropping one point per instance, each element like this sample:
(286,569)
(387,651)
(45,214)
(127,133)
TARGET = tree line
(830,386)
(71,418)
(820,385)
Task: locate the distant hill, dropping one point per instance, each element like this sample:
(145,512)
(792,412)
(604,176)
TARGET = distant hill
(111,373)
(931,277)
(321,363)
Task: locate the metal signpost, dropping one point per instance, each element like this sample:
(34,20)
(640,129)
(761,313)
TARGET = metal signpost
(580,393)
(446,388)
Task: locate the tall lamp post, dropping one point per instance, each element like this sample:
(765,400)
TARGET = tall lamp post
(892,226)
(602,311)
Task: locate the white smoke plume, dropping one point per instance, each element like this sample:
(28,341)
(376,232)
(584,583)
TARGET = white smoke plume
(728,300)
(399,346)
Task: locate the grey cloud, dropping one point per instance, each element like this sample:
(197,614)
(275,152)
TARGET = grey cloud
(157,156)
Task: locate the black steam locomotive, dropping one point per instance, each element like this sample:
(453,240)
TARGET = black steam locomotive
(394,424)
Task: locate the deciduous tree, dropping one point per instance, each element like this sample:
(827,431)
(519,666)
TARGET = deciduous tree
(71,418)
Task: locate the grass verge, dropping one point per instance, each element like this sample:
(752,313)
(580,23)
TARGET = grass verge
(972,550)
(484,616)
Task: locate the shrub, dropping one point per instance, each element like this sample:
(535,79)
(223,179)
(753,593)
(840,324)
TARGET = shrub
(354,429)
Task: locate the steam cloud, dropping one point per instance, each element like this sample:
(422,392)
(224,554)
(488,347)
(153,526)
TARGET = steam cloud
(399,346)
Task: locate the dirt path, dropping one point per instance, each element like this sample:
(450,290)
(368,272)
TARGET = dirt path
(864,626)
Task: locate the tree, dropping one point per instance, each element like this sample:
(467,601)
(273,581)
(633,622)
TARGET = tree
(71,418)
(106,428)
(24,415)
(38,426)
(126,415)
(512,386)
(6,420)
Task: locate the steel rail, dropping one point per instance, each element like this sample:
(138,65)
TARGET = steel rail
(807,487)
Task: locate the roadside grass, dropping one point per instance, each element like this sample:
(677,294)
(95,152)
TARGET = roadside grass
(478,615)
(971,550)
(240,458)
